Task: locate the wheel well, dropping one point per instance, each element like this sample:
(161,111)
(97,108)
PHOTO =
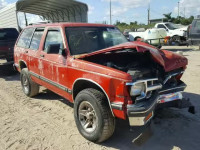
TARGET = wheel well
(22,65)
(84,84)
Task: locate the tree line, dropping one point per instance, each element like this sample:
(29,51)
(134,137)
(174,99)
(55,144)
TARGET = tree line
(167,18)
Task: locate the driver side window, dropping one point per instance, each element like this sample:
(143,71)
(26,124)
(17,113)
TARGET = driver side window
(161,26)
(53,37)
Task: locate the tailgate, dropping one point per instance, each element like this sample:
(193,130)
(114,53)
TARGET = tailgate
(5,45)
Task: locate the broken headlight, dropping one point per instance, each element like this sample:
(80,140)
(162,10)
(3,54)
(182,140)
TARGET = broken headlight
(137,89)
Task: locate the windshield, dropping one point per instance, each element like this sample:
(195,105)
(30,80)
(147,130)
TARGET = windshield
(179,26)
(8,34)
(84,40)
(171,26)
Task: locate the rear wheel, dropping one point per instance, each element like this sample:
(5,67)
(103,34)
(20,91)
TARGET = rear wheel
(176,40)
(93,116)
(29,87)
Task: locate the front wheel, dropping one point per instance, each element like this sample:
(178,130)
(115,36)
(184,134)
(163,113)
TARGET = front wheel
(29,87)
(93,116)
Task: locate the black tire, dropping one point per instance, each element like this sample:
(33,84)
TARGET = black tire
(29,87)
(105,124)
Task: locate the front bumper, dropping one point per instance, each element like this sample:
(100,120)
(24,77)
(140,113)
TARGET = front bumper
(141,113)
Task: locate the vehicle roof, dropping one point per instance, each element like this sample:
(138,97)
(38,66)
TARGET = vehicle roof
(70,24)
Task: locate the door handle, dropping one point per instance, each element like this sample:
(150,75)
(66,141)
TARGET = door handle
(26,51)
(42,55)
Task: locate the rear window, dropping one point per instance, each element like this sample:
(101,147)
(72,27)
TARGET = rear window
(25,38)
(8,34)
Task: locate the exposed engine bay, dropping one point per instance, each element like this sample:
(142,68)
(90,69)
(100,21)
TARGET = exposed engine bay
(141,67)
(150,82)
(138,65)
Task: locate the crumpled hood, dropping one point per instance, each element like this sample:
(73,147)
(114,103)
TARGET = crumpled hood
(169,60)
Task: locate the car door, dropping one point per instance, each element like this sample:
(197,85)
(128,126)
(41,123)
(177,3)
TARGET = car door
(34,50)
(195,32)
(162,26)
(52,64)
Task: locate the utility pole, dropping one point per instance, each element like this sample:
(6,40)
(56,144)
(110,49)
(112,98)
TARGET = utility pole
(184,12)
(149,13)
(110,12)
(178,9)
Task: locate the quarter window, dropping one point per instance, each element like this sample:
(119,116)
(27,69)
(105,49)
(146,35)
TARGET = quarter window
(53,37)
(35,43)
(25,38)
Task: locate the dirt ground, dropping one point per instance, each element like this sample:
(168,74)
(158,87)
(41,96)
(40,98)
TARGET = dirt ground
(46,122)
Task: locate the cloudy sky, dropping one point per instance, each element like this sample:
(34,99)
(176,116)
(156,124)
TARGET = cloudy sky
(134,10)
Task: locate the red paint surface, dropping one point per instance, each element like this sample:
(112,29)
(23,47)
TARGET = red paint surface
(66,70)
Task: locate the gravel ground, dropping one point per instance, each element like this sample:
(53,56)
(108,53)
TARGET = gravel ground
(46,121)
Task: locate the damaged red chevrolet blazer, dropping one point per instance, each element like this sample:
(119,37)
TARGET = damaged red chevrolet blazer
(104,75)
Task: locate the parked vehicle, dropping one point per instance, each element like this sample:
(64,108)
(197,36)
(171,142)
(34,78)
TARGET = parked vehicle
(8,37)
(177,34)
(104,75)
(152,36)
(194,32)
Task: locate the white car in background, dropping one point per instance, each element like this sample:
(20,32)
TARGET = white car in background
(152,36)
(175,31)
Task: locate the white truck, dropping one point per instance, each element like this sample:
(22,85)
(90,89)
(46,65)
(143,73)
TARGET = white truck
(176,33)
(152,36)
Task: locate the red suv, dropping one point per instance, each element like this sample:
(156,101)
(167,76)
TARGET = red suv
(104,75)
(8,37)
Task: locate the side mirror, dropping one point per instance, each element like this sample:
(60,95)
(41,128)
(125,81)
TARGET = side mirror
(167,30)
(63,52)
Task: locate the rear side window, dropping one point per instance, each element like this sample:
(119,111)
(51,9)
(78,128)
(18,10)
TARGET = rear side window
(25,38)
(53,37)
(8,34)
(35,42)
